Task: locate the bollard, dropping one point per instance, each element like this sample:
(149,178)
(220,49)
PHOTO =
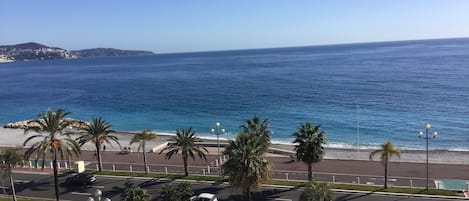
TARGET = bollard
(30,164)
(97,167)
(130,168)
(208,169)
(286,176)
(166,170)
(358,180)
(411,183)
(203,172)
(437,185)
(51,165)
(58,165)
(216,162)
(148,168)
(113,167)
(333,179)
(66,165)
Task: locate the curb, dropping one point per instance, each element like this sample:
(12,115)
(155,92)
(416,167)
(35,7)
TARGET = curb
(398,194)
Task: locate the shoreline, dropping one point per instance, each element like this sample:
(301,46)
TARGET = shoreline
(277,149)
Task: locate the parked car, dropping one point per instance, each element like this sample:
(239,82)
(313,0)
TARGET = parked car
(204,197)
(80,178)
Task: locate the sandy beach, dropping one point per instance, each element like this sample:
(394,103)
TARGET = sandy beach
(16,137)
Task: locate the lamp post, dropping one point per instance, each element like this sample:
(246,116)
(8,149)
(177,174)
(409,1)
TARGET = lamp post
(426,138)
(97,196)
(217,130)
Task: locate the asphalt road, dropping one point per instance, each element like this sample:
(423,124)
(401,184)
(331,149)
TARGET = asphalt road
(42,186)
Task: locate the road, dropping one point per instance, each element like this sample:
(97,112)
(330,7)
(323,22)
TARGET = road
(42,186)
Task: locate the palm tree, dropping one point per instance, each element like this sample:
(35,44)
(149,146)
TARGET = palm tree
(10,160)
(246,166)
(317,192)
(169,193)
(98,132)
(309,141)
(136,194)
(143,138)
(255,127)
(49,128)
(185,142)
(182,192)
(387,151)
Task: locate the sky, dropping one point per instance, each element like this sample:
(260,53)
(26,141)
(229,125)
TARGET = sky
(207,25)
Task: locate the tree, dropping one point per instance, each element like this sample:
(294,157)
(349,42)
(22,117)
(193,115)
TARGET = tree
(182,192)
(309,141)
(255,127)
(246,166)
(317,192)
(98,132)
(387,151)
(169,193)
(143,138)
(10,160)
(54,140)
(185,142)
(136,194)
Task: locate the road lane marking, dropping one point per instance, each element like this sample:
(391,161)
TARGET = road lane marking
(77,193)
(282,199)
(95,186)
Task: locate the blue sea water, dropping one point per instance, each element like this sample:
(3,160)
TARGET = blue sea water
(398,86)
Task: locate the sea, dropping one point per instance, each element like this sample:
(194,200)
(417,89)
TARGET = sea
(361,94)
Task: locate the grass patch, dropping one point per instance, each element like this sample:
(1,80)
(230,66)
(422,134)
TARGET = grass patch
(293,183)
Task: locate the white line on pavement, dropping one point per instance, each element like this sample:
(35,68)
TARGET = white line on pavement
(76,193)
(282,199)
(96,186)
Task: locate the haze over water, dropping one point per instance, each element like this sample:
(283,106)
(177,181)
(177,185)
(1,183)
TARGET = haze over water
(398,86)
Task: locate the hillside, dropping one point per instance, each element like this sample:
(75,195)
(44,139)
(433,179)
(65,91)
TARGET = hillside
(34,51)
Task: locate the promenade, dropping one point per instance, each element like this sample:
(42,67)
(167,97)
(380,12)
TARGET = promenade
(339,165)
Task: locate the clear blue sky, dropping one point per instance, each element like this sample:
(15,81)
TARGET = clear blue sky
(202,25)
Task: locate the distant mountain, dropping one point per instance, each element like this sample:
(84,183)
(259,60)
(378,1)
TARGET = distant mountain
(35,51)
(106,52)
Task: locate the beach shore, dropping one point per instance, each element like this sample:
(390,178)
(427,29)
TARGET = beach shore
(16,137)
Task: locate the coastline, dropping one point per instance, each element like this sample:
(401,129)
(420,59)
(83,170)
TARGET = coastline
(16,137)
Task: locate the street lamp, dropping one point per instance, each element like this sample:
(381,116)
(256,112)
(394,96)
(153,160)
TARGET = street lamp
(217,130)
(426,138)
(97,196)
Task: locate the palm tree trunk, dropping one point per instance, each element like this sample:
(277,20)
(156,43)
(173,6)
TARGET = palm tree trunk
(98,155)
(145,159)
(310,171)
(247,194)
(56,176)
(12,183)
(386,174)
(186,171)
(3,181)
